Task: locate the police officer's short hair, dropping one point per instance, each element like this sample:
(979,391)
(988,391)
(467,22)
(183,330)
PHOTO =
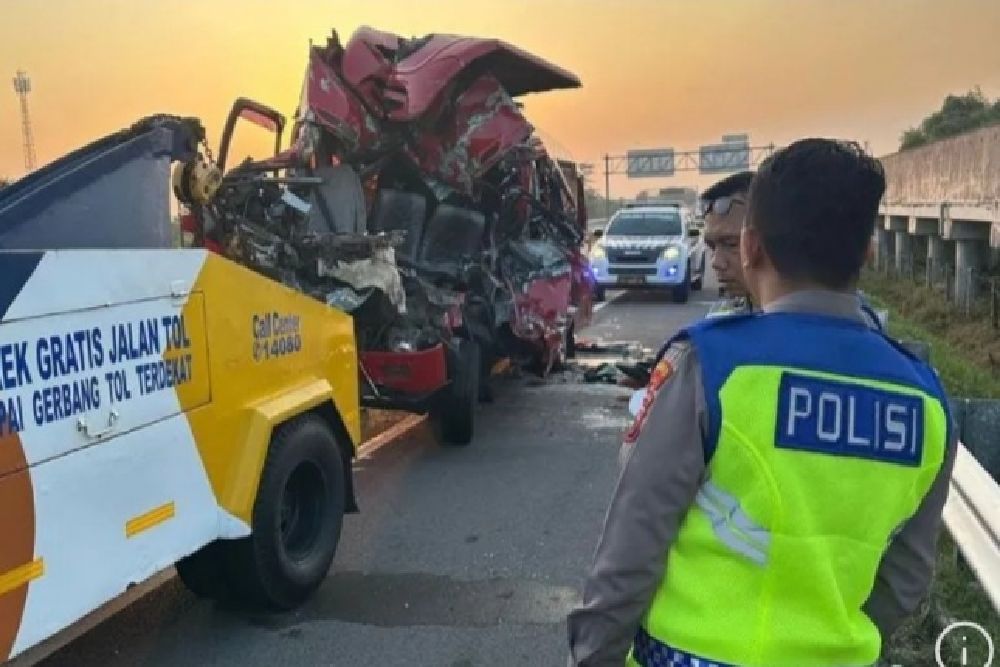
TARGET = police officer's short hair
(814,204)
(738,183)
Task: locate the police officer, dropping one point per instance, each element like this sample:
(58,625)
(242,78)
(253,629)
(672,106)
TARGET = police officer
(783,497)
(723,206)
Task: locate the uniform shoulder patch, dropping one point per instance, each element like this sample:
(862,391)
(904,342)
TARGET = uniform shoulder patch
(659,376)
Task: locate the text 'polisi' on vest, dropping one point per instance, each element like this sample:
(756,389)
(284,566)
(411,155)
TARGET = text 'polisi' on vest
(848,419)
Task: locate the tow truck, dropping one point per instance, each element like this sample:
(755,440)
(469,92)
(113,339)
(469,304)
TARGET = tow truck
(158,406)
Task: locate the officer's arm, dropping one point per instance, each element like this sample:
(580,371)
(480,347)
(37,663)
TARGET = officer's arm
(907,567)
(658,484)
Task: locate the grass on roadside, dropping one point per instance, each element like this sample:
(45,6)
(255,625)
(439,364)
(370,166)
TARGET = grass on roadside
(955,596)
(963,350)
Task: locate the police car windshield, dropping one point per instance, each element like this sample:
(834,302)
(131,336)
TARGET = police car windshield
(634,223)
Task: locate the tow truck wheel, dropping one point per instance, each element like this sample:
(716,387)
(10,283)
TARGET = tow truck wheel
(455,408)
(297,518)
(203,572)
(569,341)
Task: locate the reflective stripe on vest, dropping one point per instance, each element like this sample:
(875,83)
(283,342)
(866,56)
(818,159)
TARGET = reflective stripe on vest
(732,525)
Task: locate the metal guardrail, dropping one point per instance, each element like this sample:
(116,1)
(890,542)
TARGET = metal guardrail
(972,510)
(972,515)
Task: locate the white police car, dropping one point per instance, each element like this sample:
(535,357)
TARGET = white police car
(649,247)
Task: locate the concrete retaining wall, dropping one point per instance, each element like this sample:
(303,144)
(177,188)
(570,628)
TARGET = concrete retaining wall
(965,168)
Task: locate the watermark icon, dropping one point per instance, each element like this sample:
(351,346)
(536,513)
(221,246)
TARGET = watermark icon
(968,645)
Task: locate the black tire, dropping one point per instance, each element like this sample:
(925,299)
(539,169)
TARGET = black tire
(454,409)
(599,295)
(297,518)
(683,291)
(486,362)
(204,572)
(569,341)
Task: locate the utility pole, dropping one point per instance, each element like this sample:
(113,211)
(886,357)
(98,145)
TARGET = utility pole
(22,86)
(607,186)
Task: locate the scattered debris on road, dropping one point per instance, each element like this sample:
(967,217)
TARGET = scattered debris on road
(623,363)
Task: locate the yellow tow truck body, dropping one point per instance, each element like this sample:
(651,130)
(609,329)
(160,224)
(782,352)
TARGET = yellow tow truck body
(165,407)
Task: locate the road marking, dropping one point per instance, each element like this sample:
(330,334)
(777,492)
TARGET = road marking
(607,302)
(394,432)
(693,302)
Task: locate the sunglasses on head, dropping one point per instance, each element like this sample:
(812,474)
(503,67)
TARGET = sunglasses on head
(719,205)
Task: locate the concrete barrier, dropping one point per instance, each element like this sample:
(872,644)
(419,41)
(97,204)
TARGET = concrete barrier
(942,203)
(965,168)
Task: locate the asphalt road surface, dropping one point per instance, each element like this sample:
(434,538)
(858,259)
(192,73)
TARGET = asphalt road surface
(459,557)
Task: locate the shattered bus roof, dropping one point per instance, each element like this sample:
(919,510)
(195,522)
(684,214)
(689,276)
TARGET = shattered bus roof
(455,94)
(400,79)
(424,74)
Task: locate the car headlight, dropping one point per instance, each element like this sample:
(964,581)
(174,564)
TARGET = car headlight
(597,252)
(671,252)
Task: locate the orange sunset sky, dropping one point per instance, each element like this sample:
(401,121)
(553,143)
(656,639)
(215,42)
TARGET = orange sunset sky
(655,72)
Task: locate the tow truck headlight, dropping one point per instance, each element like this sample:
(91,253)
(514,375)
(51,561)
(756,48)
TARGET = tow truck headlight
(597,252)
(671,252)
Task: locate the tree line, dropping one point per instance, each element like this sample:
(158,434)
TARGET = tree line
(958,114)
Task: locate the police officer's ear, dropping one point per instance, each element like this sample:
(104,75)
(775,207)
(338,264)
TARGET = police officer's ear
(752,255)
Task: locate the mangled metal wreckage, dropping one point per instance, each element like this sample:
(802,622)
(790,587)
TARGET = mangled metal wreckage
(415,195)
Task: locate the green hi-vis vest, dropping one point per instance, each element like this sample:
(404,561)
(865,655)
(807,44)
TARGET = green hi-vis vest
(824,439)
